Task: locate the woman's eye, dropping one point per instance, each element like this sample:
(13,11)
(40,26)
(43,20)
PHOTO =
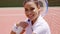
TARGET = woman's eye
(26,9)
(32,8)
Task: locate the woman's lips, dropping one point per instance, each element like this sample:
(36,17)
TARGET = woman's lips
(30,16)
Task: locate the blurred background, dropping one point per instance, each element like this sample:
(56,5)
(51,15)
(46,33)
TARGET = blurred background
(19,3)
(12,11)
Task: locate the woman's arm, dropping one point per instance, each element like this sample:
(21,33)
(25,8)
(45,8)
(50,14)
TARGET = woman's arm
(15,33)
(12,32)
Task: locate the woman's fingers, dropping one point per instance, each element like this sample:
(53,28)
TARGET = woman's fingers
(22,24)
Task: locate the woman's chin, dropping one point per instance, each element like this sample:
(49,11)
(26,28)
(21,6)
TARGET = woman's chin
(32,19)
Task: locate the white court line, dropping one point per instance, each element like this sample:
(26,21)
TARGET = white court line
(11,14)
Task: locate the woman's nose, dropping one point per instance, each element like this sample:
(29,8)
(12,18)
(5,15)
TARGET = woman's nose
(29,13)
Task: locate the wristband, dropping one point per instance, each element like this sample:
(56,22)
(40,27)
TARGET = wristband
(16,29)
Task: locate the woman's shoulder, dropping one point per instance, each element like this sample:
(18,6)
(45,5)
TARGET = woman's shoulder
(41,22)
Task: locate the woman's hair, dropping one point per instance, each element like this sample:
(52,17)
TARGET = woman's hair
(43,4)
(35,1)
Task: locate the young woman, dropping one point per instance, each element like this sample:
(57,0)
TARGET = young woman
(35,24)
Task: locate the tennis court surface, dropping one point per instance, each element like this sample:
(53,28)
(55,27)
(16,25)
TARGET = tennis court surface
(9,16)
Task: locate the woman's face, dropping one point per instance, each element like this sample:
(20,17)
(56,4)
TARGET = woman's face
(31,10)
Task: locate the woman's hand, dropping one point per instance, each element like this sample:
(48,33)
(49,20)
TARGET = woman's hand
(22,24)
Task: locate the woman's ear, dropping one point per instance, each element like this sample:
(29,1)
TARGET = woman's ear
(39,9)
(38,6)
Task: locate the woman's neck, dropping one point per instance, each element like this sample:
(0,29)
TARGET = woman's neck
(33,21)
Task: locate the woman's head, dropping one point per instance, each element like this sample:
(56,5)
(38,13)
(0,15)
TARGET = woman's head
(32,9)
